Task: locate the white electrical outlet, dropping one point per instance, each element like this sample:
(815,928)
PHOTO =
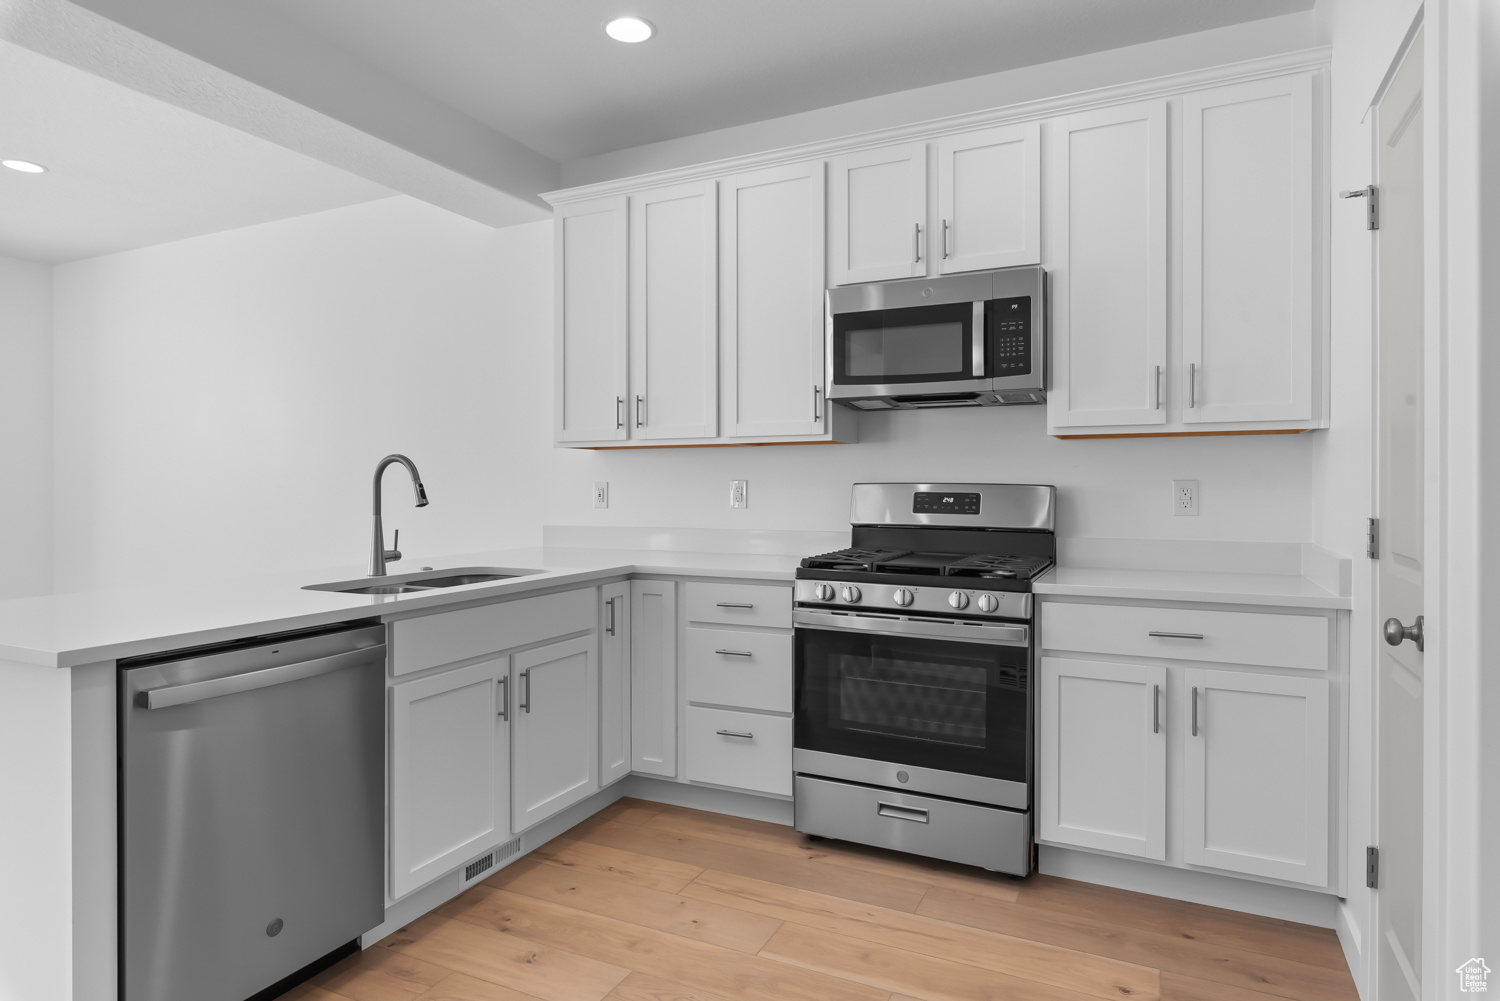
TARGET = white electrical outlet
(601,493)
(738,495)
(1185,498)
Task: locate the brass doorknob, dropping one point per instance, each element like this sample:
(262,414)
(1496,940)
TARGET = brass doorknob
(1396,633)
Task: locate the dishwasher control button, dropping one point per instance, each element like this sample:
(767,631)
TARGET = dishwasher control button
(988,603)
(958,599)
(903,597)
(851,593)
(822,592)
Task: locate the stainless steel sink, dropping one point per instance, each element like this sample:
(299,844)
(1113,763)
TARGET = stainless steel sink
(430,580)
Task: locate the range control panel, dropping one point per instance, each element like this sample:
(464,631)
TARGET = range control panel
(933,502)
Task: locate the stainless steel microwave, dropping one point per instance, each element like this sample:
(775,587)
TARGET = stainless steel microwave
(972,340)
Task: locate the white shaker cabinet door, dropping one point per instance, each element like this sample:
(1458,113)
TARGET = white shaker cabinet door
(1107,261)
(1101,756)
(653,677)
(772,240)
(878,214)
(555,709)
(590,253)
(450,769)
(1256,782)
(989,199)
(674,312)
(614,682)
(1248,342)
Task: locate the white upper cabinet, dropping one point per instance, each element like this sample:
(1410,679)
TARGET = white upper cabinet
(590,247)
(1107,254)
(989,198)
(674,312)
(878,214)
(771,312)
(1247,216)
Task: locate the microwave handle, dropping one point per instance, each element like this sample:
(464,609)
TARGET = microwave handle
(979,337)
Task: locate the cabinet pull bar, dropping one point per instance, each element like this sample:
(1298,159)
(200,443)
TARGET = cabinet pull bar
(736,604)
(1175,636)
(917,246)
(735,653)
(640,411)
(1156,709)
(735,733)
(1156,389)
(504,699)
(1192,385)
(898,812)
(817,403)
(619,412)
(945,239)
(1195,710)
(609,629)
(526,704)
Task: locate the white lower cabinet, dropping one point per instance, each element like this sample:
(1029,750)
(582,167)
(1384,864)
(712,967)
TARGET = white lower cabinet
(614,682)
(749,751)
(653,677)
(555,734)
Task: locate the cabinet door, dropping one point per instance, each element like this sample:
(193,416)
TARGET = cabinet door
(1102,756)
(673,312)
(1247,252)
(1256,782)
(772,239)
(653,677)
(614,682)
(878,214)
(556,729)
(590,343)
(449,771)
(1107,261)
(989,199)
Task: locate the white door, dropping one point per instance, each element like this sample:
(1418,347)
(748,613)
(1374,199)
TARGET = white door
(653,677)
(590,343)
(556,728)
(879,213)
(1102,756)
(990,199)
(674,308)
(1256,781)
(1247,253)
(449,769)
(614,682)
(1107,262)
(1400,572)
(772,251)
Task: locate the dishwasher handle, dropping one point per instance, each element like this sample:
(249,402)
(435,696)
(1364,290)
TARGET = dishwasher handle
(199,691)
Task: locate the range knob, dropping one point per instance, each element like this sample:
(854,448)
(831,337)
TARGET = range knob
(851,593)
(822,592)
(903,597)
(988,603)
(958,599)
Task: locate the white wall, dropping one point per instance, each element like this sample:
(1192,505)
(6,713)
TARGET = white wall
(25,428)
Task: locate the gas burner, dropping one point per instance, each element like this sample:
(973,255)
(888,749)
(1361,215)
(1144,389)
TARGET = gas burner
(853,559)
(998,567)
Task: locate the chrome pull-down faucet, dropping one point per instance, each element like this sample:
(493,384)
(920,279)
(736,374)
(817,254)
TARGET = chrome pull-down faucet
(378,553)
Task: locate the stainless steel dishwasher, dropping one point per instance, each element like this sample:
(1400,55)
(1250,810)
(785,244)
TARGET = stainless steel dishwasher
(251,803)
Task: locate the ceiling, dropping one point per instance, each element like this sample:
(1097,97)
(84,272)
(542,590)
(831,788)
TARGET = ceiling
(127,170)
(544,73)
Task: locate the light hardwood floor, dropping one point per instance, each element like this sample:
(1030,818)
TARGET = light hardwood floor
(644,902)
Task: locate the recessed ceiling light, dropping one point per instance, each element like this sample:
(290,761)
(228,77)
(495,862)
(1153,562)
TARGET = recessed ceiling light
(24,166)
(629,29)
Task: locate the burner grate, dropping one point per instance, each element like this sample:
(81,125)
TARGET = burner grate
(853,559)
(1018,567)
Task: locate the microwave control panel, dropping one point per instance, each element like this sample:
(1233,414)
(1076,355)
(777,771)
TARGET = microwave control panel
(1010,335)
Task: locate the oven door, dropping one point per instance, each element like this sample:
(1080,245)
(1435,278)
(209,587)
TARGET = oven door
(910,350)
(936,707)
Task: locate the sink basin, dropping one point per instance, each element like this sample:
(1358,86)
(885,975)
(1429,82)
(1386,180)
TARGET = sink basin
(430,580)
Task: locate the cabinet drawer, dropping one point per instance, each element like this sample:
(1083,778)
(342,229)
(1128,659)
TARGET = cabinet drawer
(740,750)
(729,667)
(447,637)
(740,604)
(1271,639)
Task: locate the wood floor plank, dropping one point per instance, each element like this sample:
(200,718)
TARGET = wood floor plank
(924,977)
(547,972)
(707,921)
(644,987)
(872,888)
(784,840)
(647,950)
(378,974)
(1018,957)
(1176,987)
(616,863)
(1133,944)
(311,992)
(462,987)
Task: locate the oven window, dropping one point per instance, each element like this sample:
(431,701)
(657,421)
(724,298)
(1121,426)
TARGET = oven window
(910,344)
(944,703)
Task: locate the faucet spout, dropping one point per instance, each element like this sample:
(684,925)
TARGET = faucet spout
(379,555)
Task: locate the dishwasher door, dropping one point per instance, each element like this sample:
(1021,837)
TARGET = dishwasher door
(252,803)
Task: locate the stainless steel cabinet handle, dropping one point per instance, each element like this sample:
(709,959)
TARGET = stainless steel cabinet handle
(1175,636)
(1192,385)
(505,699)
(945,239)
(526,703)
(735,653)
(917,246)
(898,812)
(1156,389)
(640,411)
(736,604)
(1195,710)
(735,733)
(609,628)
(200,691)
(619,411)
(817,403)
(1156,709)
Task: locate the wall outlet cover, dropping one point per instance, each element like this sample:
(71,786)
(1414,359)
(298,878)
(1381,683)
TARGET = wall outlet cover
(601,493)
(739,493)
(1185,498)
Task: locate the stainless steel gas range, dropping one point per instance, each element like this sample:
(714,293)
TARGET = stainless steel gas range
(914,667)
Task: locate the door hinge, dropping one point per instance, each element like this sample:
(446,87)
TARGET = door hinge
(1372,867)
(1372,538)
(1371,195)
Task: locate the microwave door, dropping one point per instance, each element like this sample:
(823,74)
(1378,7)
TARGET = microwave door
(909,350)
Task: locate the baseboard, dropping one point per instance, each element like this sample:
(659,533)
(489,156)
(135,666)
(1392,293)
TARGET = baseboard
(735,804)
(1352,942)
(1266,899)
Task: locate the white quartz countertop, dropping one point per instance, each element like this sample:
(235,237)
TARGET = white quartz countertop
(66,630)
(1283,589)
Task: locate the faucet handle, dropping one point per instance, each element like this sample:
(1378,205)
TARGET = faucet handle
(394,553)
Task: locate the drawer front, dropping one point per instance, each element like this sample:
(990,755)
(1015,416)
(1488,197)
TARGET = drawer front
(447,637)
(740,750)
(1271,639)
(728,667)
(987,836)
(740,604)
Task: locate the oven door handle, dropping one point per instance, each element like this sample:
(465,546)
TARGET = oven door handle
(1009,634)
